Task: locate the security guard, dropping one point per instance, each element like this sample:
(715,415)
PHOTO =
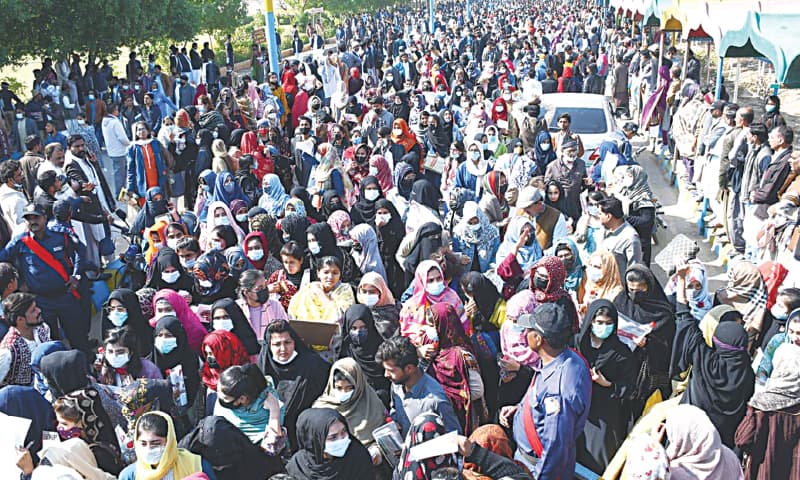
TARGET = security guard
(551,416)
(50,264)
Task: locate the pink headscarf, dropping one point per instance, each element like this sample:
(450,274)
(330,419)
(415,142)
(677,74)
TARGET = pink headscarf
(375,279)
(336,220)
(513,343)
(412,316)
(384,175)
(211,223)
(195,332)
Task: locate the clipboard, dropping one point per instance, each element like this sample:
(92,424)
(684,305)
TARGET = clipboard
(435,163)
(315,333)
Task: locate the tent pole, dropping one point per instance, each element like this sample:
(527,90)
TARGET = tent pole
(718,89)
(686,58)
(661,35)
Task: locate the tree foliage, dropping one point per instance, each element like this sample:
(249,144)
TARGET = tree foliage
(59,27)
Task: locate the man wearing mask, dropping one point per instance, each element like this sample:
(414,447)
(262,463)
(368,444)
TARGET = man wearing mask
(184,93)
(375,119)
(21,128)
(83,168)
(304,144)
(550,417)
(570,172)
(550,223)
(52,267)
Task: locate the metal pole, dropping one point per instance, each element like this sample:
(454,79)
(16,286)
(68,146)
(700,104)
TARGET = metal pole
(430,5)
(718,90)
(274,53)
(468,9)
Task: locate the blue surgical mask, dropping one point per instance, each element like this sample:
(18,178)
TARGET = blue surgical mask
(602,331)
(118,318)
(594,274)
(314,248)
(337,448)
(517,327)
(779,312)
(166,345)
(435,288)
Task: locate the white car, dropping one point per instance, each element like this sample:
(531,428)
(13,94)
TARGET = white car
(592,118)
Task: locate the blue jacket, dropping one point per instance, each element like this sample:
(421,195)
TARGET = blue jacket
(560,405)
(37,275)
(486,253)
(464,179)
(137,180)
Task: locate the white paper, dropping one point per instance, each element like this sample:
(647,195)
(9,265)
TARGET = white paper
(502,124)
(441,445)
(14,429)
(630,331)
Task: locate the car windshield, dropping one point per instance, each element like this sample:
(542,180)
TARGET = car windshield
(584,120)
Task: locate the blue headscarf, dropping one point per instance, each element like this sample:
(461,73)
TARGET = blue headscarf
(26,402)
(574,275)
(543,158)
(226,191)
(528,255)
(209,177)
(275,197)
(212,267)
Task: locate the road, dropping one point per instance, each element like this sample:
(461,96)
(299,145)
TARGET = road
(678,213)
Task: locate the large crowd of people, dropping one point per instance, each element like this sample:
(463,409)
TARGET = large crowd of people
(389,243)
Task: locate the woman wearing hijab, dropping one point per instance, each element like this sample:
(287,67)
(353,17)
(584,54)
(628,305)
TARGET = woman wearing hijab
(353,397)
(376,295)
(166,271)
(122,362)
(547,283)
(170,302)
(554,195)
(226,189)
(75,455)
(123,309)
(325,299)
(219,215)
(363,211)
(300,375)
(365,250)
(239,212)
(426,241)
(331,202)
(403,140)
(747,293)
(226,315)
(327,449)
(171,349)
(321,244)
(439,135)
(390,231)
(274,198)
(302,194)
(642,300)
(638,205)
(424,206)
(772,413)
(295,206)
(456,199)
(493,203)
(722,381)
(475,238)
(155,205)
(259,253)
(294,229)
(205,189)
(614,371)
(26,402)
(379,168)
(359,168)
(695,449)
(237,261)
(339,221)
(567,251)
(81,414)
(790,335)
(404,176)
(517,254)
(249,146)
(425,427)
(157,454)
(360,341)
(429,289)
(543,152)
(212,277)
(328,174)
(700,300)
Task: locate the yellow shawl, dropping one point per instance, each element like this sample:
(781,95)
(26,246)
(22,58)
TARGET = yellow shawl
(183,462)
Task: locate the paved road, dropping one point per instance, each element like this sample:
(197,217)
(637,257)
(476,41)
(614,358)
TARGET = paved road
(678,213)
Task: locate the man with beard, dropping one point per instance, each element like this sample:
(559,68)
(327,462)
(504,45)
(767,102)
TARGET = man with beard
(27,331)
(413,391)
(50,265)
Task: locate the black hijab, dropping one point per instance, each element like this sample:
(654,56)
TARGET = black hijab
(424,193)
(181,355)
(65,371)
(135,321)
(267,224)
(152,208)
(392,233)
(168,257)
(653,305)
(295,226)
(559,205)
(485,294)
(328,207)
(363,354)
(326,239)
(236,137)
(364,210)
(441,136)
(428,239)
(300,382)
(305,197)
(614,359)
(241,327)
(412,158)
(27,402)
(310,464)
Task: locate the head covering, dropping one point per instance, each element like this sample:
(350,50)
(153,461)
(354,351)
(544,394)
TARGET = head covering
(328,205)
(647,459)
(309,463)
(401,169)
(782,390)
(227,189)
(575,275)
(746,292)
(653,307)
(177,462)
(384,174)
(211,224)
(426,426)
(363,211)
(298,206)
(638,194)
(241,327)
(165,258)
(773,274)
(136,320)
(336,220)
(258,264)
(181,355)
(406,138)
(237,261)
(302,194)
(144,395)
(324,236)
(76,454)
(720,313)
(190,321)
(486,297)
(701,304)
(369,258)
(227,350)
(427,241)
(364,352)
(695,449)
(363,410)
(513,342)
(44,349)
(66,371)
(492,438)
(556,273)
(213,267)
(485,238)
(26,402)
(274,198)
(424,193)
(295,228)
(96,423)
(528,255)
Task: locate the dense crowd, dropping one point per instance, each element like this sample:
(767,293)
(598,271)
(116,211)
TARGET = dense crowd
(391,242)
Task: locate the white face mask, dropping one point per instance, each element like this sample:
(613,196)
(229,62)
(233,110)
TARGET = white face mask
(313,247)
(223,324)
(385,218)
(627,181)
(337,448)
(242,217)
(286,362)
(188,264)
(397,132)
(500,108)
(506,97)
(222,220)
(173,243)
(170,277)
(371,195)
(373,171)
(216,244)
(151,456)
(475,228)
(255,255)
(165,313)
(118,361)
(370,299)
(343,397)
(205,283)
(544,146)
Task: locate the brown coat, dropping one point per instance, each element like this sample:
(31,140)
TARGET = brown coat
(100,112)
(772,442)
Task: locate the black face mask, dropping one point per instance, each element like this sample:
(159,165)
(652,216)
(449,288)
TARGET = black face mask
(569,263)
(262,296)
(637,296)
(361,159)
(338,137)
(303,130)
(212,364)
(229,405)
(407,183)
(358,248)
(540,283)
